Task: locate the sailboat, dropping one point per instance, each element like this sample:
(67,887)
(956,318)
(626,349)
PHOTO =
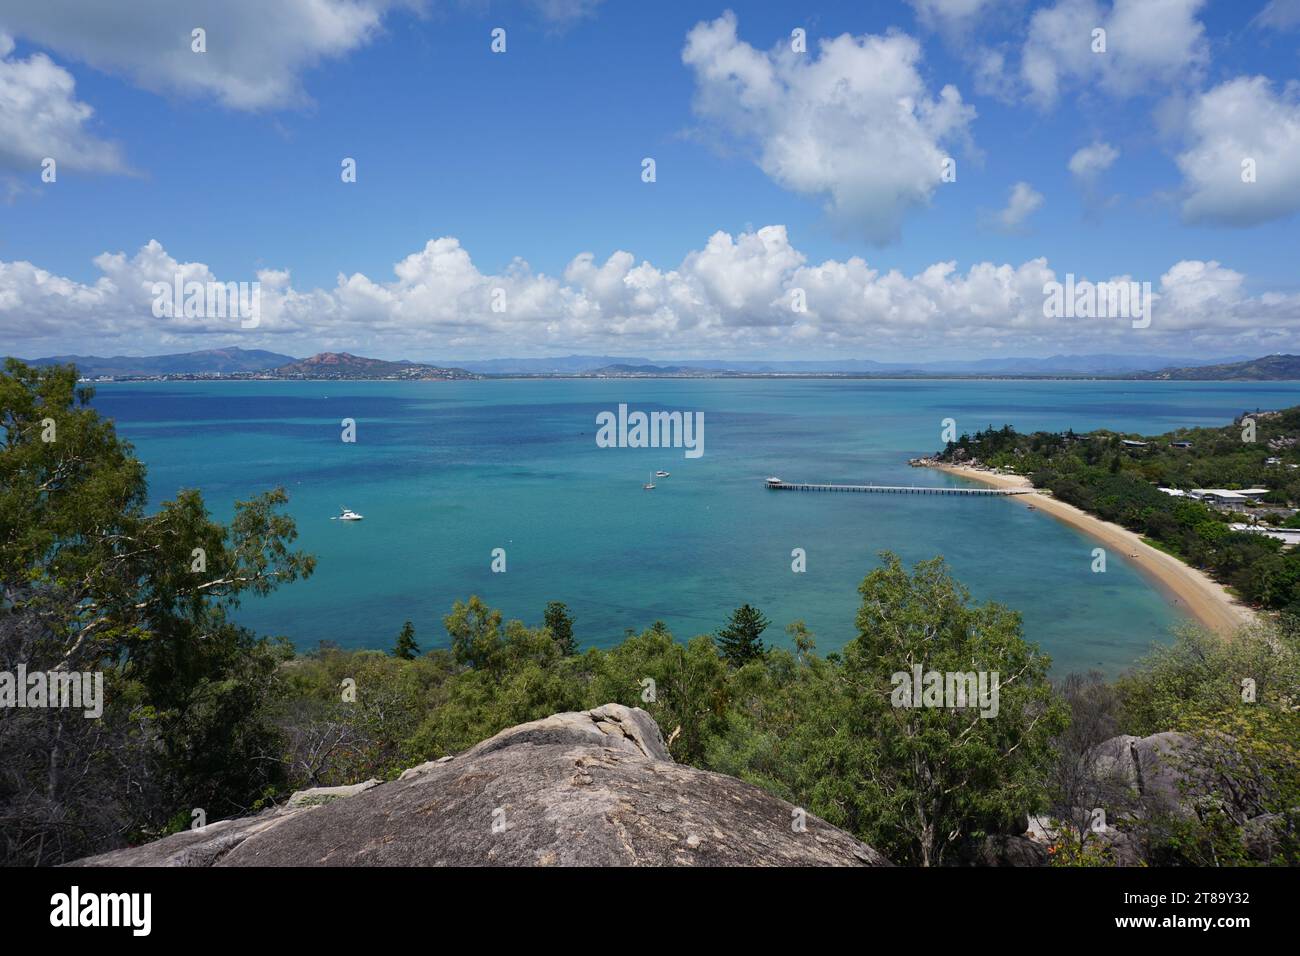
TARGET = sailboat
(649,485)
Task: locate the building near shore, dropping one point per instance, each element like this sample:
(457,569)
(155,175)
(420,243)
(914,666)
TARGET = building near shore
(1220,496)
(1289,536)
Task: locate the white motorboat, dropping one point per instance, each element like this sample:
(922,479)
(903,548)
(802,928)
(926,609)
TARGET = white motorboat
(347,514)
(662,474)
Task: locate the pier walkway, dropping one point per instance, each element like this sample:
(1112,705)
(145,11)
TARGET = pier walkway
(776,484)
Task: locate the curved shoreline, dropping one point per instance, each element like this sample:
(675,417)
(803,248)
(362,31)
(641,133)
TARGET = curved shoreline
(1205,599)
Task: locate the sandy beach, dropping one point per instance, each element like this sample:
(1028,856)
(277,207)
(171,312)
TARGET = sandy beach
(1194,591)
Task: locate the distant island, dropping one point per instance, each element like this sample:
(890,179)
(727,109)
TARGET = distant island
(333,366)
(238,363)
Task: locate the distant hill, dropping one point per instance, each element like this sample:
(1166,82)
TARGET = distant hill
(207,361)
(1270,368)
(345,365)
(1106,365)
(652,370)
(559,365)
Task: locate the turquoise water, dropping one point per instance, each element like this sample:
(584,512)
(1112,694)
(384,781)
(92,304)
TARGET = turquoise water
(445,472)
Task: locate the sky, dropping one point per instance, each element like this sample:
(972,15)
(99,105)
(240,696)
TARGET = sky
(666,180)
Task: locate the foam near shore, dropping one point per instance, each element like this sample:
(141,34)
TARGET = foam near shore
(1197,593)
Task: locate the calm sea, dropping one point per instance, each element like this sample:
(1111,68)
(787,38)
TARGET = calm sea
(446,472)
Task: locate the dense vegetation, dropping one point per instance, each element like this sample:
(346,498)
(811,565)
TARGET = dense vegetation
(202,715)
(1120,483)
(93,583)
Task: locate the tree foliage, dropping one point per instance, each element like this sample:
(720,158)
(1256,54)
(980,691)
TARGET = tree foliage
(406,648)
(93,582)
(741,639)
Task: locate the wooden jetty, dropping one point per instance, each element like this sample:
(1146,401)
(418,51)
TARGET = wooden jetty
(776,484)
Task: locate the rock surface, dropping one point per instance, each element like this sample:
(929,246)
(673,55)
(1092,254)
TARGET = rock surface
(1175,773)
(1167,775)
(593,788)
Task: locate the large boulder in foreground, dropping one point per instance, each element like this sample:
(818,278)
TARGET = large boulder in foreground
(593,788)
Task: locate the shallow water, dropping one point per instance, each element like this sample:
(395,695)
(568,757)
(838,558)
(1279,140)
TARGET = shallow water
(445,472)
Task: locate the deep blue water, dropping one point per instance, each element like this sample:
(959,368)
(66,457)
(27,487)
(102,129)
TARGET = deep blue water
(444,472)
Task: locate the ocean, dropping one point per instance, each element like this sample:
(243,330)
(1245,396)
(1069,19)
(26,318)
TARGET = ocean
(446,472)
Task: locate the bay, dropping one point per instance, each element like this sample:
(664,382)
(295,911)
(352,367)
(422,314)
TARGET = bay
(445,472)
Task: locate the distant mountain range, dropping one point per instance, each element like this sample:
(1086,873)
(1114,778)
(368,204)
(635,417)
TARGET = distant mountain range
(563,365)
(252,363)
(1114,365)
(244,363)
(1270,368)
(209,361)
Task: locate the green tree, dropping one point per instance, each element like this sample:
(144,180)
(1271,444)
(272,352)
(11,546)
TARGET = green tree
(560,623)
(804,641)
(940,773)
(475,631)
(406,648)
(740,641)
(93,583)
(682,687)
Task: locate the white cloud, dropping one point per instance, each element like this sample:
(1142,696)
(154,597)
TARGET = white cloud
(992,78)
(947,14)
(256,50)
(1149,44)
(1280,15)
(959,23)
(853,123)
(731,297)
(1021,204)
(1091,161)
(1237,121)
(40,116)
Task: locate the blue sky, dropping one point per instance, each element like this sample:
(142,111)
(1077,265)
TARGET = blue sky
(535,154)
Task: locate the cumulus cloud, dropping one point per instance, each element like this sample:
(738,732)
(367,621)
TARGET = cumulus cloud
(1149,43)
(736,295)
(40,116)
(1091,161)
(256,51)
(1241,122)
(853,123)
(1021,204)
(991,75)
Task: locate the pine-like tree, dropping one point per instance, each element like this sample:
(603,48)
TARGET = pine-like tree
(560,622)
(740,641)
(406,647)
